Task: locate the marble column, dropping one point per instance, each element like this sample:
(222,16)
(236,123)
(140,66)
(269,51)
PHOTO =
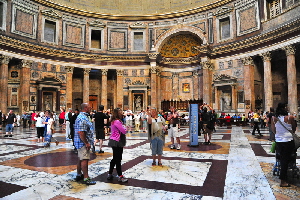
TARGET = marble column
(291,79)
(175,86)
(69,88)
(234,98)
(39,98)
(207,86)
(249,83)
(4,60)
(86,85)
(268,90)
(159,99)
(217,98)
(58,100)
(104,88)
(120,94)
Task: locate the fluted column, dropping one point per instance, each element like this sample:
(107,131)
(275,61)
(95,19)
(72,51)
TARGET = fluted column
(153,71)
(234,98)
(268,90)
(104,88)
(86,85)
(69,89)
(291,79)
(207,87)
(249,83)
(159,99)
(196,85)
(120,88)
(4,60)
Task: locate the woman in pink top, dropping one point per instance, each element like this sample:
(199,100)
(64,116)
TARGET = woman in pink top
(117,129)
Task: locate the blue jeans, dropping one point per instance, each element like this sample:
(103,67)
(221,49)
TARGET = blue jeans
(9,128)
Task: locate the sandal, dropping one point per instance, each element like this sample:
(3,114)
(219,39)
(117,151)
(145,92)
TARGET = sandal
(154,163)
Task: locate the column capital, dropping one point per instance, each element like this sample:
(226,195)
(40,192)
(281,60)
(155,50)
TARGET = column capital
(69,69)
(4,59)
(120,72)
(104,72)
(86,71)
(195,74)
(26,64)
(153,69)
(175,75)
(289,50)
(153,55)
(207,65)
(267,56)
(248,61)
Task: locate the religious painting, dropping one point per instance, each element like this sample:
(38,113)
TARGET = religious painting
(185,87)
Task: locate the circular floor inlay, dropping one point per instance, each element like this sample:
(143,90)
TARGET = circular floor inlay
(56,159)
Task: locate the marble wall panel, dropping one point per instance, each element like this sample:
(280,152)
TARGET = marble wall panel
(77,85)
(117,40)
(24,22)
(74,34)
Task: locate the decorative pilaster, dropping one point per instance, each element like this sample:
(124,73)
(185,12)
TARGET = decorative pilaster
(153,71)
(69,89)
(104,88)
(234,97)
(158,76)
(249,83)
(25,85)
(86,85)
(4,60)
(268,90)
(120,94)
(291,78)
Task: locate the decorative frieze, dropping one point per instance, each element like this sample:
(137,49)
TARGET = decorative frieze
(153,56)
(207,65)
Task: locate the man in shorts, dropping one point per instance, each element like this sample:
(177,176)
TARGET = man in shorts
(10,119)
(173,132)
(83,139)
(99,118)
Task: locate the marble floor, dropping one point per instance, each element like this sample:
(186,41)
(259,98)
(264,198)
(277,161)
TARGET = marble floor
(237,165)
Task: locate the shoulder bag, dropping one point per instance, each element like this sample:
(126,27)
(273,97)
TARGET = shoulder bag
(295,136)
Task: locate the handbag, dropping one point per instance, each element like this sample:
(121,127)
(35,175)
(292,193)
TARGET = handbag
(296,138)
(121,143)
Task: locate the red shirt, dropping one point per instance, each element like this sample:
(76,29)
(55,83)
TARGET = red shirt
(33,115)
(62,115)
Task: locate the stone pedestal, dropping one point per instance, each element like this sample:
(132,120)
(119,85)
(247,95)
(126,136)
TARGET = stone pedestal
(69,89)
(249,84)
(104,88)
(4,60)
(268,90)
(291,79)
(86,85)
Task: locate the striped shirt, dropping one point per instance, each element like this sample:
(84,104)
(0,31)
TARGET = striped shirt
(83,123)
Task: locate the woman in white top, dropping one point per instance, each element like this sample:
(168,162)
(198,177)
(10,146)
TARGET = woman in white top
(282,125)
(40,126)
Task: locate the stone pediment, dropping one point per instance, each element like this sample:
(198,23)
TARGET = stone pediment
(138,25)
(223,11)
(224,79)
(97,23)
(50,13)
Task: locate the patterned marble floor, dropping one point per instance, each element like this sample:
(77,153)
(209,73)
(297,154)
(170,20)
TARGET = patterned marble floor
(236,165)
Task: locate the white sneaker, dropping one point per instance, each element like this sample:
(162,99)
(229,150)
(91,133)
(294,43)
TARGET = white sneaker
(172,146)
(178,147)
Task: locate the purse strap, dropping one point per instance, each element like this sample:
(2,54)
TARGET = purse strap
(286,127)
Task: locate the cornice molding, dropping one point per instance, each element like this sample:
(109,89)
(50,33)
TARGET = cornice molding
(168,15)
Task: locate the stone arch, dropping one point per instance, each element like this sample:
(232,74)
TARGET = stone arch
(160,41)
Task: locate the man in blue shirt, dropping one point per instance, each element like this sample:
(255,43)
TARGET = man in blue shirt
(83,139)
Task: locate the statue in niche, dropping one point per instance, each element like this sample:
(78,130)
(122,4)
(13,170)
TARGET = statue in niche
(226,101)
(138,103)
(47,103)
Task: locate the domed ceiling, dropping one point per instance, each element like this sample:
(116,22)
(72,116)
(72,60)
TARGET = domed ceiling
(135,7)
